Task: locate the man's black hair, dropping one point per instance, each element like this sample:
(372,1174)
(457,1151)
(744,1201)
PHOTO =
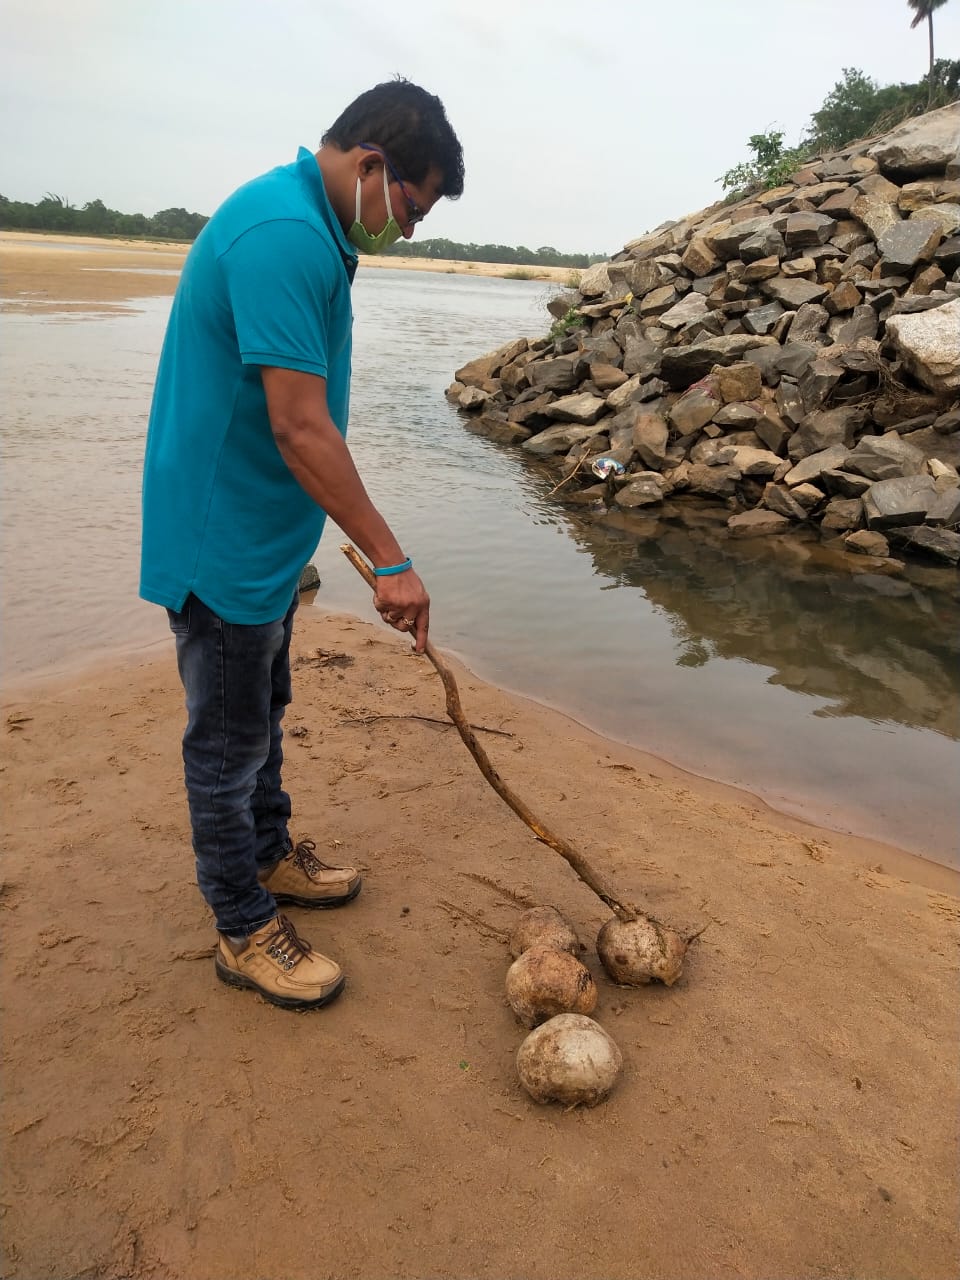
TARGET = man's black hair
(412,128)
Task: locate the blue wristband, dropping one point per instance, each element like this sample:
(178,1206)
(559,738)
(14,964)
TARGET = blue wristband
(389,570)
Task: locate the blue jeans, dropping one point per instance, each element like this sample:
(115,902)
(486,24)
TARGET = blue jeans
(237,682)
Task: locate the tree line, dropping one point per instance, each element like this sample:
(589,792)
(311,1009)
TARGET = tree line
(454,251)
(56,213)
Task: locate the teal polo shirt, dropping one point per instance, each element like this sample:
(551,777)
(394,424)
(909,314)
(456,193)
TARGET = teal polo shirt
(267,282)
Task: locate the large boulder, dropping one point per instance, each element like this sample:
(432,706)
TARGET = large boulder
(929,345)
(919,147)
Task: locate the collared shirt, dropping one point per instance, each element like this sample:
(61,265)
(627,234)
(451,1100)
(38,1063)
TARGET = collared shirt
(267,282)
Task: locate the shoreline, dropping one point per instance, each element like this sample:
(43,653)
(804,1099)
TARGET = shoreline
(919,868)
(784,1100)
(37,243)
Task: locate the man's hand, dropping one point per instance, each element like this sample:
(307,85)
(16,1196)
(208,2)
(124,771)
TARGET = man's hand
(403,603)
(317,454)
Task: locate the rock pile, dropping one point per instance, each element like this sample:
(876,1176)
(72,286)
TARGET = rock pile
(795,356)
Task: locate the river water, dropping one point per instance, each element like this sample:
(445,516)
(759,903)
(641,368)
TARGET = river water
(831,695)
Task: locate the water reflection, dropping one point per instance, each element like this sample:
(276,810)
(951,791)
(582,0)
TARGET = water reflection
(889,657)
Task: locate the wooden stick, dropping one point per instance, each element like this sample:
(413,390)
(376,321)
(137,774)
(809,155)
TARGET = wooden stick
(590,877)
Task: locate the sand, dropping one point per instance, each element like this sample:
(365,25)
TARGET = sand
(91,274)
(787,1110)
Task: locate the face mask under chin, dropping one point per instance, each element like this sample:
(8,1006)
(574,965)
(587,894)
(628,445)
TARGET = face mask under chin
(358,234)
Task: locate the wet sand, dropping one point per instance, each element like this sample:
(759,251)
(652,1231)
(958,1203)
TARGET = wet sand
(787,1110)
(83,273)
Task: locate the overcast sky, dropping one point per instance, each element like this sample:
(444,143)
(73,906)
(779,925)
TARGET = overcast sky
(584,122)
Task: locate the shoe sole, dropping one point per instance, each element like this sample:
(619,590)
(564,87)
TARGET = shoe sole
(234,979)
(293,900)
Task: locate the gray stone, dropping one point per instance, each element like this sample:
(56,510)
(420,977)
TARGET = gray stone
(865,542)
(768,244)
(754,462)
(876,215)
(793,293)
(863,323)
(808,322)
(607,377)
(883,457)
(756,523)
(736,415)
(473,398)
(476,372)
(782,501)
(644,490)
(813,466)
(693,410)
(808,228)
(713,482)
(595,281)
(699,259)
(557,439)
(911,306)
(621,396)
(822,430)
(903,246)
(799,267)
(691,307)
(817,381)
(641,276)
(947,255)
(795,357)
(494,427)
(683,365)
(652,389)
(738,381)
(903,500)
(584,408)
(945,508)
(772,431)
(789,404)
(557,374)
(809,496)
(843,513)
(941,544)
(845,484)
(929,346)
(309,578)
(640,356)
(761,269)
(726,242)
(845,297)
(649,438)
(762,319)
(600,347)
(926,145)
(947,215)
(657,301)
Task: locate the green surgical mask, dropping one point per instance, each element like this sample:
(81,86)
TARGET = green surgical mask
(359,235)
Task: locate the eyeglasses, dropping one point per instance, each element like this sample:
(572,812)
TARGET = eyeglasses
(416,214)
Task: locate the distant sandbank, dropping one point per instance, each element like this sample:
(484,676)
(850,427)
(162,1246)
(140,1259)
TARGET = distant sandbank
(84,273)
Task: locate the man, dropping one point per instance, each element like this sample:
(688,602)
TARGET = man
(245,458)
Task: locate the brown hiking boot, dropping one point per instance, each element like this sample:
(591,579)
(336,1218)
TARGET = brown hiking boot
(280,965)
(301,878)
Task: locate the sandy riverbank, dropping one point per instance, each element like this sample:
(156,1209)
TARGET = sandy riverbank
(788,1110)
(83,273)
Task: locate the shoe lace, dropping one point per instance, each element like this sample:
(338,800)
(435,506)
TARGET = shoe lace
(306,859)
(285,945)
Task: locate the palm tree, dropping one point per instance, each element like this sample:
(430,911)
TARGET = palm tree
(924,9)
